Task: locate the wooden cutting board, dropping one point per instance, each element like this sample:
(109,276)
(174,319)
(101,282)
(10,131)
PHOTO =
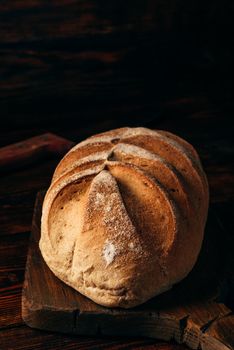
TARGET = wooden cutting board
(192,312)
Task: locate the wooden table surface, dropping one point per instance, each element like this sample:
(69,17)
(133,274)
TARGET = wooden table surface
(79,67)
(17,195)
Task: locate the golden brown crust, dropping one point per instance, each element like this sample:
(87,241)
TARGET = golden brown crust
(124,217)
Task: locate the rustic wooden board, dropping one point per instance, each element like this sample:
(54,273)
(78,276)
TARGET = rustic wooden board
(193,312)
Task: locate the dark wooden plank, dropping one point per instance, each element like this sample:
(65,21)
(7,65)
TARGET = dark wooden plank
(221,174)
(17,196)
(122,54)
(25,338)
(13,253)
(185,313)
(33,149)
(10,307)
(29,179)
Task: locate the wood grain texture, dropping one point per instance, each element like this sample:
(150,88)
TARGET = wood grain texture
(25,338)
(190,313)
(28,151)
(17,196)
(124,56)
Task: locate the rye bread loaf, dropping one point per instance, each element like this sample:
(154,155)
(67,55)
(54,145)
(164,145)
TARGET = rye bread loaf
(123,219)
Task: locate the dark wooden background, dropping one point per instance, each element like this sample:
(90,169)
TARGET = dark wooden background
(78,67)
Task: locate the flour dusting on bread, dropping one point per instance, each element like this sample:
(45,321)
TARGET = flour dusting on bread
(109,252)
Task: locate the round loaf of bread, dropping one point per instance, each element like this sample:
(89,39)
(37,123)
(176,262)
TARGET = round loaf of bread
(123,219)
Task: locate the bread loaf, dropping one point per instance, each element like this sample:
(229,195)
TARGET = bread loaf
(123,219)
